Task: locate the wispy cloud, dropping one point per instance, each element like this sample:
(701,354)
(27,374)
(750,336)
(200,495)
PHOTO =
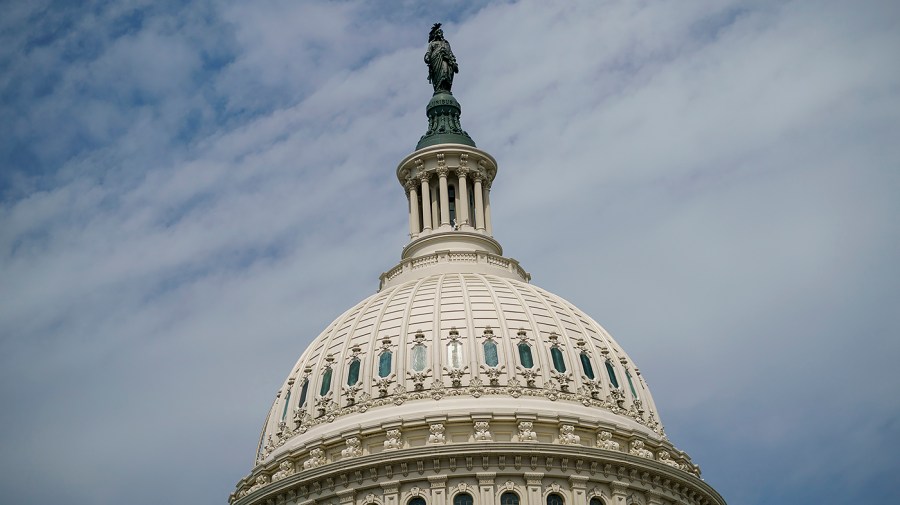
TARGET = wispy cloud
(190,192)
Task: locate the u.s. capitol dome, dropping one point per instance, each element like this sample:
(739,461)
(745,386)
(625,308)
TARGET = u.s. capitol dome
(459,382)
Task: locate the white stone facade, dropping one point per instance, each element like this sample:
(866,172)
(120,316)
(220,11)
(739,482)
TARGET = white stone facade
(460,379)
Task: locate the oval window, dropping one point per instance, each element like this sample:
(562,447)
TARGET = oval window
(419,357)
(353,373)
(326,382)
(384,364)
(612,374)
(287,402)
(454,353)
(631,385)
(558,362)
(586,366)
(525,355)
(303,391)
(490,353)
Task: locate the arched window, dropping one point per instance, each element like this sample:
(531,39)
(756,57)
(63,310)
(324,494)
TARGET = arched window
(287,402)
(558,362)
(631,385)
(554,499)
(303,391)
(418,357)
(353,373)
(612,374)
(454,353)
(418,500)
(463,499)
(490,353)
(586,366)
(597,501)
(384,363)
(326,382)
(525,355)
(510,498)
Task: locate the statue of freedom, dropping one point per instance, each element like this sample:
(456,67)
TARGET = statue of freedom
(440,60)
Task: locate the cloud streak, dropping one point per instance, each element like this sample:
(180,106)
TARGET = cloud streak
(191,192)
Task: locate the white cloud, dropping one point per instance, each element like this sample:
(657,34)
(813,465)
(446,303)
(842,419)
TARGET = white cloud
(714,182)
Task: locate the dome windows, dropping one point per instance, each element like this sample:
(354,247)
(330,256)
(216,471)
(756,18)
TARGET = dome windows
(418,500)
(597,501)
(418,357)
(554,499)
(454,350)
(490,353)
(525,357)
(326,382)
(353,372)
(556,355)
(385,359)
(631,385)
(612,374)
(287,400)
(303,391)
(586,365)
(384,363)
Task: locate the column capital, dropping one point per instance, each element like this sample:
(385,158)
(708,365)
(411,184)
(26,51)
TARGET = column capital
(423,176)
(442,170)
(462,170)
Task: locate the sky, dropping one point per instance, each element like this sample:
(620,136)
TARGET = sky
(191,192)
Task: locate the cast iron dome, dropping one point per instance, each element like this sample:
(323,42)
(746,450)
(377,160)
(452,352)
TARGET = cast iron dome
(459,382)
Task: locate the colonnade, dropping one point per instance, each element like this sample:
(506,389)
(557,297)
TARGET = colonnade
(430,203)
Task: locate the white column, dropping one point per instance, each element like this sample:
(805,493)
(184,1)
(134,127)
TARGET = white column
(438,489)
(479,203)
(426,203)
(390,492)
(487,209)
(486,487)
(535,488)
(413,195)
(435,208)
(444,195)
(462,210)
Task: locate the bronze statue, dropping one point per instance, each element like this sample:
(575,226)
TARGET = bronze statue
(440,60)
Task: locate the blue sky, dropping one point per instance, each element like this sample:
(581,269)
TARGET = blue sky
(191,192)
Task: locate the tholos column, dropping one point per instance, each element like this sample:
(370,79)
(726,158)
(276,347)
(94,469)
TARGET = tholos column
(444,196)
(487,208)
(479,203)
(426,204)
(413,194)
(462,210)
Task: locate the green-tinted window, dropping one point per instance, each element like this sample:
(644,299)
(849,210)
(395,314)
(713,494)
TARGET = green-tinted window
(303,393)
(554,499)
(384,364)
(596,501)
(525,355)
(612,374)
(631,384)
(416,501)
(586,366)
(353,373)
(287,402)
(558,362)
(419,357)
(326,382)
(490,353)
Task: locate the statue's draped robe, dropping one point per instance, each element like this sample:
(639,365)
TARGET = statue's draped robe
(441,65)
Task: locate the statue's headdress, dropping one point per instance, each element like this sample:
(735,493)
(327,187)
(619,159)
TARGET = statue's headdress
(433,33)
